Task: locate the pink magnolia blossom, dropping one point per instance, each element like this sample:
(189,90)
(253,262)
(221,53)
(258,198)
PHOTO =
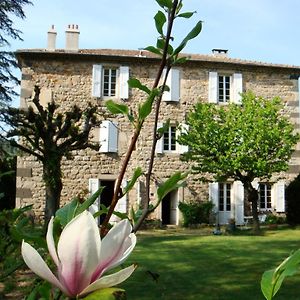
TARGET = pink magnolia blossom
(82,257)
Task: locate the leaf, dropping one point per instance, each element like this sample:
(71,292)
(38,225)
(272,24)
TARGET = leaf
(186,15)
(170,184)
(135,83)
(107,294)
(146,108)
(165,3)
(191,35)
(137,173)
(181,60)
(153,50)
(272,279)
(163,129)
(161,45)
(66,213)
(116,108)
(160,20)
(87,203)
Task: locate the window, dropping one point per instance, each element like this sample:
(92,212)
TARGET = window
(170,139)
(224,196)
(223,89)
(264,199)
(109,82)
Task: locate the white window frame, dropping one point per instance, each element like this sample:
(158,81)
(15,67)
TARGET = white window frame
(224,192)
(224,92)
(170,136)
(265,196)
(121,89)
(235,88)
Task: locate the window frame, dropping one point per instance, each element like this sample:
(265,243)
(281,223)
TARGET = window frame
(224,97)
(265,189)
(170,136)
(110,76)
(224,196)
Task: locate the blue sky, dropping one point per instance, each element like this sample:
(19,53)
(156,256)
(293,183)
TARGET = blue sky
(260,30)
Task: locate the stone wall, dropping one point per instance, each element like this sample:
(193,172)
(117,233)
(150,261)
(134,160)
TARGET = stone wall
(69,82)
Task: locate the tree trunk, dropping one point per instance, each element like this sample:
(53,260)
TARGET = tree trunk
(252,197)
(53,187)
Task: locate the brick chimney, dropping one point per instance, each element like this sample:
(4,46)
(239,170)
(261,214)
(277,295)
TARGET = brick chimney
(72,38)
(51,39)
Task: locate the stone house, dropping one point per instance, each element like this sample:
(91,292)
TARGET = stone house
(74,75)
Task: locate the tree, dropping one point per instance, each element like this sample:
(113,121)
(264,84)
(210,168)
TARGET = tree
(7,59)
(50,135)
(241,142)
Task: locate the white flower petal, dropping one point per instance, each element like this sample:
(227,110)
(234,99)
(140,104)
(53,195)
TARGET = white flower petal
(35,262)
(109,280)
(79,252)
(116,242)
(50,242)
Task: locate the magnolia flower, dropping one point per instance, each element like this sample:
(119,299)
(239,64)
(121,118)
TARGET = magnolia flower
(82,257)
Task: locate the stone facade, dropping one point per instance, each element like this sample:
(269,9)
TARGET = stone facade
(67,78)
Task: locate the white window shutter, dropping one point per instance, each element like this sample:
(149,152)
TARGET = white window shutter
(94,185)
(255,184)
(237,88)
(173,82)
(214,195)
(97,81)
(182,148)
(160,143)
(213,87)
(279,196)
(238,194)
(121,206)
(123,84)
(108,137)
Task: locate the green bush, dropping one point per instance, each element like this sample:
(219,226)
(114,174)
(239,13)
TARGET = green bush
(195,212)
(274,219)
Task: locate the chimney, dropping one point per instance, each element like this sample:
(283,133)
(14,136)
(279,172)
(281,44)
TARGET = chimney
(72,38)
(51,40)
(220,52)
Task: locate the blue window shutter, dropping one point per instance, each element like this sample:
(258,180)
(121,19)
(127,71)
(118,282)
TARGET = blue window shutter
(213,87)
(123,85)
(214,195)
(97,81)
(238,199)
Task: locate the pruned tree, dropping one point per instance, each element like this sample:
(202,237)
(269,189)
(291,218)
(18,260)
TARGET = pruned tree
(49,135)
(9,9)
(241,142)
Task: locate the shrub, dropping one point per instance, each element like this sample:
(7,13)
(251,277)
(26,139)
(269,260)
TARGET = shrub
(274,219)
(195,212)
(292,199)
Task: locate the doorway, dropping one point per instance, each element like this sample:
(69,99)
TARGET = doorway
(169,209)
(106,195)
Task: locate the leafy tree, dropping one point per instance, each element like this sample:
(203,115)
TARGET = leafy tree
(49,135)
(242,142)
(9,8)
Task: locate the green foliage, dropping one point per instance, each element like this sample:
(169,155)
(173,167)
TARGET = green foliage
(271,280)
(75,207)
(137,173)
(16,225)
(254,139)
(292,193)
(107,294)
(195,212)
(275,219)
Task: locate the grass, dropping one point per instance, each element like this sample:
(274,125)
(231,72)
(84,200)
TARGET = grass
(185,265)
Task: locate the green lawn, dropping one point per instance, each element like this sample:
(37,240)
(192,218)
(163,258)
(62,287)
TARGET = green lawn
(194,266)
